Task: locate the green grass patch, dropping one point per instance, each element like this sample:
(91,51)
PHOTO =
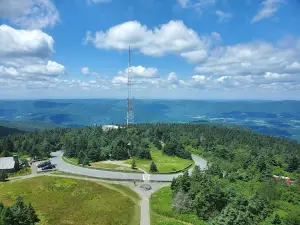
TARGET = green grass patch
(163,162)
(162,212)
(22,172)
(71,201)
(74,160)
(162,220)
(107,165)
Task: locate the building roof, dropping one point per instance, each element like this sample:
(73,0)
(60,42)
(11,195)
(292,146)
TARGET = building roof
(7,163)
(109,127)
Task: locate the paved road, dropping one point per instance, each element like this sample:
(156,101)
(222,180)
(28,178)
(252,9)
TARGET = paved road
(69,168)
(145,211)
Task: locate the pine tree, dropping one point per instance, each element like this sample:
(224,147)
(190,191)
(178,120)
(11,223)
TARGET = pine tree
(276,219)
(174,184)
(32,215)
(153,168)
(133,164)
(80,157)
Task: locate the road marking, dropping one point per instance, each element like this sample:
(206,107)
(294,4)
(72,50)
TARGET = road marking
(146,177)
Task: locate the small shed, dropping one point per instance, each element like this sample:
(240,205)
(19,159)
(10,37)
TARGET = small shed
(7,164)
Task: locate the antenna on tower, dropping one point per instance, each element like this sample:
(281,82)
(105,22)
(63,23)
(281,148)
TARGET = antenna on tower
(130,115)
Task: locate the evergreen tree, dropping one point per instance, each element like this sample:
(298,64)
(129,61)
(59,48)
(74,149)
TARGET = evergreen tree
(277,219)
(81,157)
(153,168)
(133,164)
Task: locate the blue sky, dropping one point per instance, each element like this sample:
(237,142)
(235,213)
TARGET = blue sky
(187,49)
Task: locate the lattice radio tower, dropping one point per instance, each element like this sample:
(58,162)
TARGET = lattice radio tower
(130,115)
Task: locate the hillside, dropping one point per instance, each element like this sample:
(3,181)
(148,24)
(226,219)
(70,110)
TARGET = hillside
(279,118)
(4,131)
(239,179)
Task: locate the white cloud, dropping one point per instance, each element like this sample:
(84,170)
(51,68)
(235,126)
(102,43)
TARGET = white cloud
(119,80)
(223,16)
(216,36)
(8,71)
(97,1)
(140,71)
(196,4)
(23,56)
(173,37)
(195,56)
(50,68)
(268,9)
(172,78)
(254,58)
(183,3)
(294,67)
(200,78)
(31,43)
(276,76)
(85,71)
(32,14)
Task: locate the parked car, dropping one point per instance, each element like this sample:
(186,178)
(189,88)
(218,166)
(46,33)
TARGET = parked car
(43,164)
(49,167)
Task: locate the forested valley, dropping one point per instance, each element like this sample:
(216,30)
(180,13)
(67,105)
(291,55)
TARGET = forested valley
(237,188)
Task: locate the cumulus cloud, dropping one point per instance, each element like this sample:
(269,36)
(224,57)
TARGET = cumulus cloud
(223,16)
(86,71)
(50,68)
(254,58)
(24,56)
(173,37)
(31,43)
(172,78)
(268,9)
(139,71)
(32,14)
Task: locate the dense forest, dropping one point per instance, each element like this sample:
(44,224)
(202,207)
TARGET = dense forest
(237,188)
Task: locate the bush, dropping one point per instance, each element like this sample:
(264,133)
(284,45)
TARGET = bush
(3,176)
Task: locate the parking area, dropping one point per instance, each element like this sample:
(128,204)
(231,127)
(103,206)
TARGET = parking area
(43,166)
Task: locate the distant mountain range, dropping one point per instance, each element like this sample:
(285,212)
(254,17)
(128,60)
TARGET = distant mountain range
(279,118)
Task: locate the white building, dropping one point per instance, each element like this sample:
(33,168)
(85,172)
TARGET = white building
(109,127)
(8,163)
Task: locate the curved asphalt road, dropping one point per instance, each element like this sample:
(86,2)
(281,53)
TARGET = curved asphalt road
(61,165)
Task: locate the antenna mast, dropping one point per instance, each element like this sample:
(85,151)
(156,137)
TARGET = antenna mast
(130,115)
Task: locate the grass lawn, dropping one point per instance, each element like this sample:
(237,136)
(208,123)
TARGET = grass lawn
(162,213)
(22,172)
(105,165)
(74,160)
(163,162)
(71,201)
